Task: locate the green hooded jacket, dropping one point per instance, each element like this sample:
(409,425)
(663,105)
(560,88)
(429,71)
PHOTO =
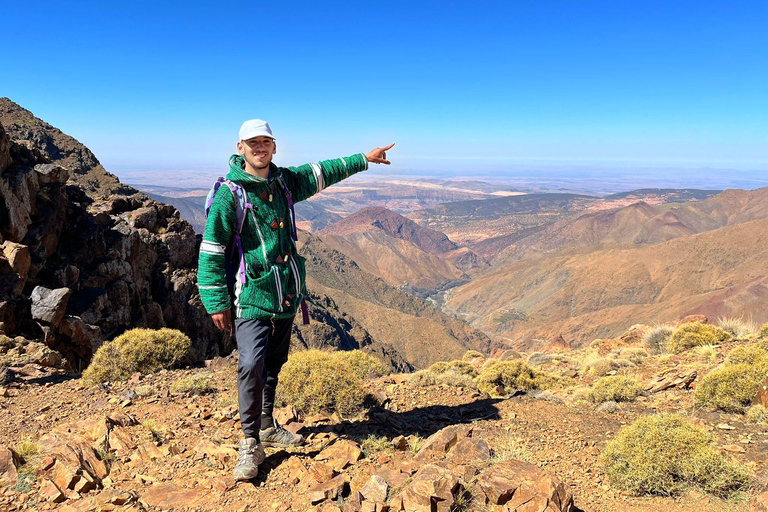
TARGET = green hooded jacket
(275,274)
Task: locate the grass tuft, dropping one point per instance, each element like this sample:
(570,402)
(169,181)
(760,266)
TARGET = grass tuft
(738,327)
(657,337)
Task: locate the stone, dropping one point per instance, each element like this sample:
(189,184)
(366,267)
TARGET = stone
(19,260)
(400,443)
(120,441)
(64,475)
(294,471)
(51,173)
(321,472)
(148,452)
(762,394)
(329,490)
(286,415)
(145,217)
(341,454)
(172,496)
(443,440)
(520,482)
(469,451)
(49,491)
(432,489)
(393,476)
(207,449)
(48,306)
(7,466)
(375,489)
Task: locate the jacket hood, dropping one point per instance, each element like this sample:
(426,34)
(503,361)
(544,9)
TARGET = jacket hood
(237,171)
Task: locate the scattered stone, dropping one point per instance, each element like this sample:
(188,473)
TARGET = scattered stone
(443,440)
(400,443)
(734,448)
(393,477)
(49,491)
(341,454)
(432,489)
(329,490)
(207,449)
(376,489)
(514,483)
(609,407)
(725,426)
(7,467)
(171,496)
(321,472)
(286,415)
(48,306)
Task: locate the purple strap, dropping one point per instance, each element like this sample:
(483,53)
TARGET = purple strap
(304,311)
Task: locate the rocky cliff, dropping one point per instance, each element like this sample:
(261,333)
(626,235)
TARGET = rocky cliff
(84,257)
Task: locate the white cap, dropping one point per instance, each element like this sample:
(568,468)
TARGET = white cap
(255,128)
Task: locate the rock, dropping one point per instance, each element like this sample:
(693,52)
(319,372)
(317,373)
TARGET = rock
(321,472)
(207,449)
(514,483)
(762,394)
(375,489)
(294,470)
(19,261)
(393,476)
(286,415)
(120,441)
(432,489)
(443,440)
(329,490)
(148,452)
(469,451)
(400,443)
(677,380)
(51,173)
(171,496)
(145,217)
(341,454)
(64,475)
(49,491)
(7,466)
(48,306)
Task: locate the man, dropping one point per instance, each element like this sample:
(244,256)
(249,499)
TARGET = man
(272,285)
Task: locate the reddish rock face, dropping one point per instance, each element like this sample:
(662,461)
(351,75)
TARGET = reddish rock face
(519,484)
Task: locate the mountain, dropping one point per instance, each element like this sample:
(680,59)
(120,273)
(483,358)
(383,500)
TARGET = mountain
(414,328)
(639,223)
(582,293)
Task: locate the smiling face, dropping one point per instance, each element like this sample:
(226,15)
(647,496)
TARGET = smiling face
(258,153)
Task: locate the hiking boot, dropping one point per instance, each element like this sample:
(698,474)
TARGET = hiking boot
(251,455)
(276,435)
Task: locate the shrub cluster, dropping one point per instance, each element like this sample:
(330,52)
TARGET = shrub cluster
(695,334)
(733,386)
(763,333)
(139,350)
(663,454)
(615,388)
(457,366)
(738,327)
(197,384)
(316,381)
(364,365)
(471,354)
(604,365)
(507,376)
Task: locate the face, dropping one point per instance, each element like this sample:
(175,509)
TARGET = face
(257,151)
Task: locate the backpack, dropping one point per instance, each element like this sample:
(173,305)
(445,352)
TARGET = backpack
(234,259)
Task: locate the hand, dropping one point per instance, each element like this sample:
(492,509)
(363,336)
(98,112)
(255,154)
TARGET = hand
(379,155)
(223,320)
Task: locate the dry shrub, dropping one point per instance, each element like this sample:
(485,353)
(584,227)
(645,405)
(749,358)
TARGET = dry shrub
(738,327)
(663,454)
(542,358)
(139,350)
(616,388)
(730,388)
(470,355)
(605,365)
(363,364)
(757,414)
(508,376)
(706,352)
(422,378)
(656,338)
(458,366)
(695,334)
(634,355)
(752,355)
(763,333)
(197,384)
(450,377)
(315,381)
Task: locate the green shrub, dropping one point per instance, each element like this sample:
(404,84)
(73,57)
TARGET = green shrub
(663,454)
(450,377)
(192,385)
(363,364)
(634,355)
(470,355)
(439,367)
(763,333)
(139,350)
(458,366)
(315,381)
(507,376)
(752,355)
(616,388)
(656,338)
(422,378)
(695,334)
(730,388)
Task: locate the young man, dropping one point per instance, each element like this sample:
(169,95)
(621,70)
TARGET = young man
(270,285)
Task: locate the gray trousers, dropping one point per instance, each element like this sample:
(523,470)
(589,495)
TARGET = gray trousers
(263,347)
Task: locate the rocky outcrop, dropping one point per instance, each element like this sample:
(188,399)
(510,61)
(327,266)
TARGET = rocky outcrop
(84,257)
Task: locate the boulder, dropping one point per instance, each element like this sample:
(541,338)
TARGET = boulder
(8,471)
(432,489)
(48,306)
(329,490)
(470,451)
(515,483)
(375,489)
(341,454)
(443,440)
(51,173)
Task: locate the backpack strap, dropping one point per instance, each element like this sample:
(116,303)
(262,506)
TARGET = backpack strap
(289,198)
(241,206)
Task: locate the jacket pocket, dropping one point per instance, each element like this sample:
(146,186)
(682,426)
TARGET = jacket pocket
(263,291)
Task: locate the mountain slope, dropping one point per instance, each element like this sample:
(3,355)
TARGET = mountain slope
(584,293)
(414,328)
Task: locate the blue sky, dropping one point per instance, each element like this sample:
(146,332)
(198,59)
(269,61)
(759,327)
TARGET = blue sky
(165,85)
